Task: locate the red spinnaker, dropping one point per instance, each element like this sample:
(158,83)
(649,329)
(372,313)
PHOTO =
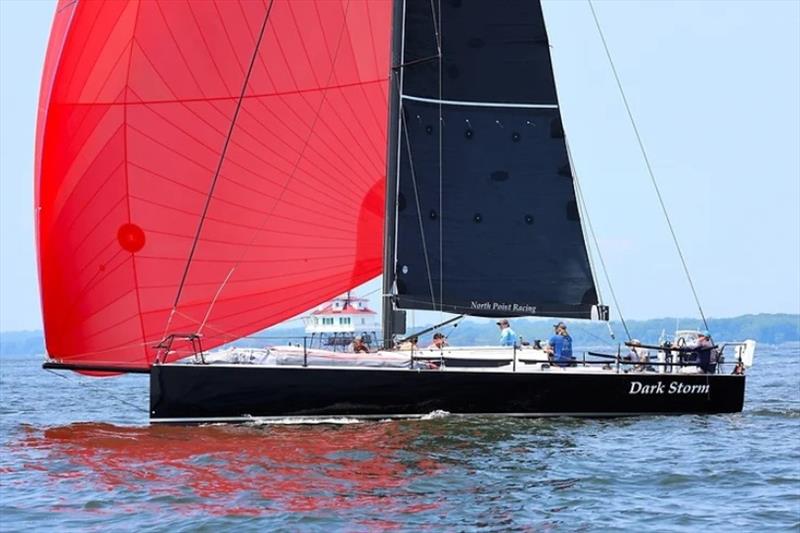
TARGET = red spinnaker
(171,125)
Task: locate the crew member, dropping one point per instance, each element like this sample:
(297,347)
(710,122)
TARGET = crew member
(560,346)
(439,341)
(507,335)
(359,346)
(638,355)
(409,344)
(703,353)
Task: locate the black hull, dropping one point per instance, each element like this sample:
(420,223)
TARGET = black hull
(200,393)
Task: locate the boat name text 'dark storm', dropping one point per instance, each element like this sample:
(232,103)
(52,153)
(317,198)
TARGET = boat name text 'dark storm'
(675,387)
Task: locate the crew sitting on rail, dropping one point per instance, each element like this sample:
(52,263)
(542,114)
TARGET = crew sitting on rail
(507,335)
(638,355)
(560,346)
(439,341)
(359,346)
(408,344)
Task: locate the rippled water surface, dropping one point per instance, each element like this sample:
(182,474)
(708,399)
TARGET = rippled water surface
(77,453)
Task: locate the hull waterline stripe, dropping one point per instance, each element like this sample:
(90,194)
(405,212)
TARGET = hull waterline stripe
(478,104)
(323,419)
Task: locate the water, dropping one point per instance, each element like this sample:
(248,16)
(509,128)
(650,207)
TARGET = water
(77,454)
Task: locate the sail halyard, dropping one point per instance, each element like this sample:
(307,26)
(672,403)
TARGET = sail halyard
(486,174)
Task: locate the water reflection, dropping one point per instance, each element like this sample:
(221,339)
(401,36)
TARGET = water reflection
(239,469)
(402,472)
(451,473)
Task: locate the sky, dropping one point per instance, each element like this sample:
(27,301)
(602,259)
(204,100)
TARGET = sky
(714,86)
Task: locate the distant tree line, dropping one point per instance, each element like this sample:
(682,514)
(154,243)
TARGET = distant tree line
(765,328)
(21,342)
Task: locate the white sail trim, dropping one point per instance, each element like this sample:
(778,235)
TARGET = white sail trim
(478,104)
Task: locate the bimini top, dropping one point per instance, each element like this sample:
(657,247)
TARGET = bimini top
(188,158)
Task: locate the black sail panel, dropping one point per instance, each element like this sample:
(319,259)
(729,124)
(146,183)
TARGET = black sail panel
(491,51)
(487,218)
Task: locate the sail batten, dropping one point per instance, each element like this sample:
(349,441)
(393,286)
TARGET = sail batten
(479,104)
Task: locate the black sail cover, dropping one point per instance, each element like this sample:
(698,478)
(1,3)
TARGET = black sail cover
(487,218)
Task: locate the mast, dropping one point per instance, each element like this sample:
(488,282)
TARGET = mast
(393,125)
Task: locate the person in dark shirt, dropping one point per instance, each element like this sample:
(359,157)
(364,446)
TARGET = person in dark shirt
(703,353)
(560,346)
(359,346)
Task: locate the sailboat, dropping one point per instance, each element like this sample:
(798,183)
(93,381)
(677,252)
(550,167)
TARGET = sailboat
(189,157)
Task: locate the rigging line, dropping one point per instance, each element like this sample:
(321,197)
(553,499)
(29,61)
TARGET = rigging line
(582,202)
(128,346)
(415,62)
(438,29)
(433,328)
(590,334)
(647,163)
(582,207)
(608,280)
(416,198)
(291,175)
(219,164)
(271,211)
(106,392)
(214,300)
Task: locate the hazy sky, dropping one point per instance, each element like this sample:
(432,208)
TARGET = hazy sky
(714,86)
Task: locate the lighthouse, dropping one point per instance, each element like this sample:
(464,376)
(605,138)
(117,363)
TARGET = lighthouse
(335,323)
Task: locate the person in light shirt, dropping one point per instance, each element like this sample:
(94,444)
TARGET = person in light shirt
(638,355)
(409,344)
(439,341)
(507,335)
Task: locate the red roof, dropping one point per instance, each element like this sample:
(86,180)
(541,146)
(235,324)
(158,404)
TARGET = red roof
(346,310)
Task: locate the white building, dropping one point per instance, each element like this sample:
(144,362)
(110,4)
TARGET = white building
(346,315)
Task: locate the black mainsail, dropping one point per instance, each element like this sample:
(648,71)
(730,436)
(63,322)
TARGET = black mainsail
(487,218)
